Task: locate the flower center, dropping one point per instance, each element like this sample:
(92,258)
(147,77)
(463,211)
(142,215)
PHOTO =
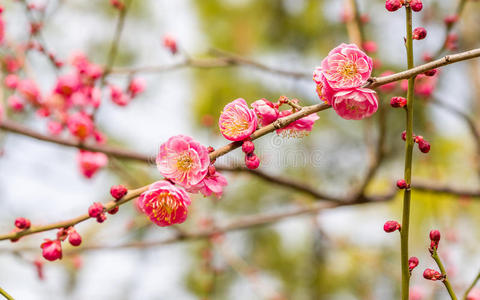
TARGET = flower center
(351,107)
(349,70)
(235,125)
(165,208)
(184,162)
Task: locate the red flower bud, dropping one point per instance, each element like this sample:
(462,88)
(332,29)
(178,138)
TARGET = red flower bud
(391,226)
(449,20)
(101,218)
(435,236)
(431,274)
(248,147)
(398,102)
(431,72)
(402,184)
(22,223)
(74,238)
(418,139)
(252,161)
(424,146)
(412,263)
(113,210)
(416,5)
(51,250)
(118,191)
(393,5)
(95,209)
(419,33)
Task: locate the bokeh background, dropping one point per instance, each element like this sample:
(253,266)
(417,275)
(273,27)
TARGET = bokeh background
(339,253)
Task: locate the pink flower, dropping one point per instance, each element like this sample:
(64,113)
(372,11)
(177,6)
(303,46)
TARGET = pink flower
(117,96)
(183,160)
(474,294)
(164,203)
(80,125)
(2,30)
(11,81)
(29,90)
(346,67)
(416,293)
(91,162)
(54,128)
(298,128)
(237,122)
(15,103)
(51,250)
(67,84)
(170,43)
(324,91)
(265,110)
(355,104)
(210,184)
(136,86)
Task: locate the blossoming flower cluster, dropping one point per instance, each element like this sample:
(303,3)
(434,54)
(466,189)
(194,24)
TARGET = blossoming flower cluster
(71,105)
(339,82)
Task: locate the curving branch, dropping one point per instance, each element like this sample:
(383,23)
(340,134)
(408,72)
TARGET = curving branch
(17,128)
(132,194)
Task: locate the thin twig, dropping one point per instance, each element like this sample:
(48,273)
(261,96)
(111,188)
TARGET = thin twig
(112,54)
(445,280)
(5,294)
(471,286)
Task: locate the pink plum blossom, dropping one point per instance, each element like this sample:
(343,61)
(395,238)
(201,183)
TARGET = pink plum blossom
(474,294)
(266,111)
(164,203)
(210,184)
(51,250)
(170,43)
(355,104)
(183,160)
(29,90)
(91,162)
(54,128)
(298,128)
(80,125)
(16,103)
(136,86)
(67,84)
(11,81)
(117,96)
(237,121)
(346,67)
(324,91)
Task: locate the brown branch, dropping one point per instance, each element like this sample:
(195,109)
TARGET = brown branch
(449,27)
(17,128)
(132,194)
(210,63)
(374,82)
(112,54)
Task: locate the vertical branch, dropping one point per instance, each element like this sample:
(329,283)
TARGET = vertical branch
(408,160)
(112,54)
(445,280)
(465,296)
(354,24)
